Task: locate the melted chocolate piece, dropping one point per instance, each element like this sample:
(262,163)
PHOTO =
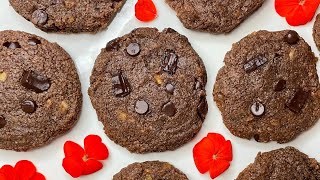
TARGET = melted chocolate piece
(169,62)
(35,82)
(254,63)
(12,45)
(170,88)
(141,107)
(121,86)
(133,49)
(113,45)
(257,109)
(292,37)
(169,109)
(296,104)
(34,41)
(39,17)
(202,108)
(3,122)
(28,106)
(281,85)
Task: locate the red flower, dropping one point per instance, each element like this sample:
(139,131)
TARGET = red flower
(213,153)
(145,10)
(79,161)
(297,12)
(23,170)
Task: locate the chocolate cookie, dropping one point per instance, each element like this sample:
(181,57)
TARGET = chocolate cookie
(154,170)
(70,16)
(316,31)
(148,88)
(40,91)
(215,16)
(269,87)
(285,163)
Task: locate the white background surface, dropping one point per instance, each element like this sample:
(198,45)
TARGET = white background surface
(84,48)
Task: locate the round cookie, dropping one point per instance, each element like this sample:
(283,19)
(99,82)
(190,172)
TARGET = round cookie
(316,31)
(148,90)
(154,170)
(285,163)
(269,87)
(68,16)
(40,91)
(214,16)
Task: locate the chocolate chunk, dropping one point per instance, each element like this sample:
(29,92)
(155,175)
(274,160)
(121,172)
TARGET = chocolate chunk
(12,45)
(35,82)
(141,107)
(203,108)
(169,109)
(133,49)
(256,137)
(3,122)
(281,85)
(28,106)
(254,63)
(170,88)
(34,41)
(121,86)
(169,62)
(257,109)
(112,45)
(298,101)
(292,37)
(39,17)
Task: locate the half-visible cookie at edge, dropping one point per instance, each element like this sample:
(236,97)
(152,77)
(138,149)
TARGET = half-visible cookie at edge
(154,170)
(68,16)
(316,31)
(214,16)
(148,88)
(269,87)
(285,163)
(40,91)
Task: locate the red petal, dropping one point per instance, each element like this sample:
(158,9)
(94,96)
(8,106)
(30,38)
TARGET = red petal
(38,176)
(217,140)
(218,167)
(145,10)
(94,148)
(25,169)
(73,149)
(203,154)
(285,7)
(92,166)
(225,151)
(73,165)
(7,172)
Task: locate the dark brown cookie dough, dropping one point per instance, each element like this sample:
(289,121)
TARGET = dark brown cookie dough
(316,31)
(68,16)
(285,163)
(269,87)
(215,16)
(40,93)
(154,170)
(148,88)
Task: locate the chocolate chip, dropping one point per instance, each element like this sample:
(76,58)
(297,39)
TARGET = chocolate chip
(12,45)
(169,62)
(34,41)
(113,45)
(170,88)
(35,82)
(39,17)
(169,109)
(281,85)
(298,101)
(257,109)
(292,37)
(254,63)
(28,106)
(203,108)
(256,137)
(3,122)
(141,107)
(133,49)
(121,86)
